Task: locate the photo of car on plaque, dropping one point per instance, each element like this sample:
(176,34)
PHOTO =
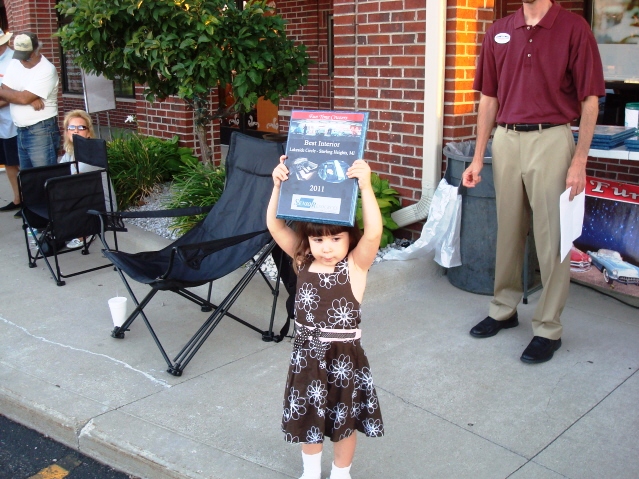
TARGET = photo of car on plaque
(321,146)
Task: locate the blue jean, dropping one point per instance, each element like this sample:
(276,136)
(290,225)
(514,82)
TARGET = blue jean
(38,144)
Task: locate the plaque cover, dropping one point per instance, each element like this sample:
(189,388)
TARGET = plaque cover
(321,146)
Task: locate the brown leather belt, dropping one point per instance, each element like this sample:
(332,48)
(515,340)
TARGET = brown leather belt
(528,126)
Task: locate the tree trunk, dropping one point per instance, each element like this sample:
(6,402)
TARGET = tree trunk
(202,121)
(200,130)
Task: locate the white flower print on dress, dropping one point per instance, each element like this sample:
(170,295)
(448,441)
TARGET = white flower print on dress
(373,427)
(339,414)
(356,410)
(340,371)
(298,359)
(371,404)
(297,404)
(364,379)
(316,393)
(288,437)
(314,436)
(307,297)
(327,280)
(342,315)
(341,271)
(318,349)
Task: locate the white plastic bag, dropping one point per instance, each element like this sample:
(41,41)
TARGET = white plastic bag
(440,232)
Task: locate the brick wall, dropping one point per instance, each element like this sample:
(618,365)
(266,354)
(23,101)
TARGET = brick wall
(466,25)
(116,118)
(379,67)
(172,116)
(308,24)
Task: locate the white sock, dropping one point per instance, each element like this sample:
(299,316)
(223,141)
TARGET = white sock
(312,465)
(340,472)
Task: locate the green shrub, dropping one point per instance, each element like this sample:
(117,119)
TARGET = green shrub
(138,163)
(199,185)
(388,201)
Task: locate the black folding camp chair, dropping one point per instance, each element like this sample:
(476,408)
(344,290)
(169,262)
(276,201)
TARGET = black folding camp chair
(231,235)
(91,154)
(55,205)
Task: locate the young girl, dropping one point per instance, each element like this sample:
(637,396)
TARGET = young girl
(329,389)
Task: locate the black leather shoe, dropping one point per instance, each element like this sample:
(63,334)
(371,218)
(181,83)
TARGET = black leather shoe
(10,207)
(490,326)
(540,350)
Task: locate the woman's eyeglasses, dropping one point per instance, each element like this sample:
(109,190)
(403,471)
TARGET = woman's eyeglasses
(77,127)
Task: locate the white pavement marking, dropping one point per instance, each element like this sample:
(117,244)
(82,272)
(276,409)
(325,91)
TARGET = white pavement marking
(128,366)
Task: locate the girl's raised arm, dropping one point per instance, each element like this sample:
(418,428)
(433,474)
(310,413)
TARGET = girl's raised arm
(284,236)
(366,250)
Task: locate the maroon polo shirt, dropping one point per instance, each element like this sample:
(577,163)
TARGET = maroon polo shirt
(540,74)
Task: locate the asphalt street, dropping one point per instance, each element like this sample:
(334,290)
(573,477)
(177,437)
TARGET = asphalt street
(27,454)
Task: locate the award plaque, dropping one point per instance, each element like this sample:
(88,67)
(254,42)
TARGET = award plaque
(321,146)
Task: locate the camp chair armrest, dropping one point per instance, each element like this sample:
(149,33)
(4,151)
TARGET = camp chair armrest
(193,254)
(190,211)
(109,221)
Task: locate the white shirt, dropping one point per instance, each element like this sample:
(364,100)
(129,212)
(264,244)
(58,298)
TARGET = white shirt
(7,127)
(41,80)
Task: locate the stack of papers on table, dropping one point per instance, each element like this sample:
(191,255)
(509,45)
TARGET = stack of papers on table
(607,137)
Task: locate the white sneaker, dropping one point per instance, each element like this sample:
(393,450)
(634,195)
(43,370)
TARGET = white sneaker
(75,243)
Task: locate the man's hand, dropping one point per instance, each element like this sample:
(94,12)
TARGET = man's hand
(38,104)
(471,176)
(576,179)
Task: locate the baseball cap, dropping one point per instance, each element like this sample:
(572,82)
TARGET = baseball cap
(4,37)
(24,44)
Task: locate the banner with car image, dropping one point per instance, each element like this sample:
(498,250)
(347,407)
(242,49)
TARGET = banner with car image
(606,255)
(321,146)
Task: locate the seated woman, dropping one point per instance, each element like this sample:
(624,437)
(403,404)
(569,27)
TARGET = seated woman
(78,122)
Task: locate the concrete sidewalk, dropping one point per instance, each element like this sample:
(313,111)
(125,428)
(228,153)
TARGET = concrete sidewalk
(454,406)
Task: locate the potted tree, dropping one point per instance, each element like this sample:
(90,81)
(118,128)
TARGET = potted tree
(187,48)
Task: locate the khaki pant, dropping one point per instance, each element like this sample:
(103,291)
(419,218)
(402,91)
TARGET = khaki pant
(529,170)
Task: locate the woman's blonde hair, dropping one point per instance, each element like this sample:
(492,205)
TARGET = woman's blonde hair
(68,142)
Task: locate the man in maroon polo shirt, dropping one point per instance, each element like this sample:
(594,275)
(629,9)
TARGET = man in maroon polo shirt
(539,69)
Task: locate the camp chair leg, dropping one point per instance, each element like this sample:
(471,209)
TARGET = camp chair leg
(118,332)
(205,304)
(195,343)
(270,336)
(207,308)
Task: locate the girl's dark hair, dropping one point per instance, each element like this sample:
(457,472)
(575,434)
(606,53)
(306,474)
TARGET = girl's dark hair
(304,230)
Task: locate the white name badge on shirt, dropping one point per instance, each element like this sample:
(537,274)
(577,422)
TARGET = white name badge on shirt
(502,38)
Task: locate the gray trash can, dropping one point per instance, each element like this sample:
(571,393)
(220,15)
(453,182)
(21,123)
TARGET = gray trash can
(478,235)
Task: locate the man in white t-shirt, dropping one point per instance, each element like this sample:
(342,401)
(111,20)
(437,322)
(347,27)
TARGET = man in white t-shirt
(30,86)
(8,131)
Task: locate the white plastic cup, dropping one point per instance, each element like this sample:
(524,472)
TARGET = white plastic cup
(117,306)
